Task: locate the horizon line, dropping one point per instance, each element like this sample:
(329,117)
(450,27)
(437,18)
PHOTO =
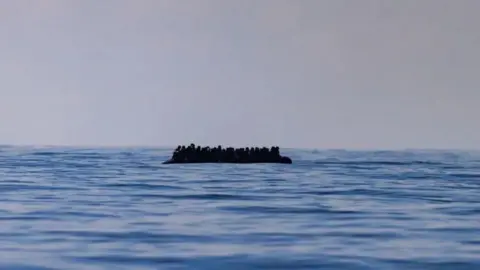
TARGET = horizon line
(83,146)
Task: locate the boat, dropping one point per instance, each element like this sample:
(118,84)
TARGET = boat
(246,155)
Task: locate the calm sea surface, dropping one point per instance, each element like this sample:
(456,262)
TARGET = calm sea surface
(68,208)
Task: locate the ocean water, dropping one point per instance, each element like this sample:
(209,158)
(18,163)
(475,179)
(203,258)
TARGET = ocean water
(79,208)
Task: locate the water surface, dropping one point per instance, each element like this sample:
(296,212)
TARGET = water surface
(79,208)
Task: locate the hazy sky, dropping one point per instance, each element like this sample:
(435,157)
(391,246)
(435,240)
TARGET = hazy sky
(294,73)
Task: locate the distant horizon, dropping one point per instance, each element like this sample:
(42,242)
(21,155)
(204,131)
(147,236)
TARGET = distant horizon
(125,146)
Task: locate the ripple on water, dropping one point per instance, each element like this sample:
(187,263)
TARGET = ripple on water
(70,208)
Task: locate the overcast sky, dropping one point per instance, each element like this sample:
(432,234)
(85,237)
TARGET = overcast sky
(293,73)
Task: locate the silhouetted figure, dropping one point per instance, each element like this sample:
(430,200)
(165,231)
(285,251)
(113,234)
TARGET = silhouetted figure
(198,154)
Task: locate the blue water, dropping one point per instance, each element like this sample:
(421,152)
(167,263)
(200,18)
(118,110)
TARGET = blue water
(67,208)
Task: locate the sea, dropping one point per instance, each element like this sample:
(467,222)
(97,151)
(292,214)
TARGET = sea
(120,208)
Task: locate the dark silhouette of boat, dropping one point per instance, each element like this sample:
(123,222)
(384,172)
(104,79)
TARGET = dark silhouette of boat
(248,155)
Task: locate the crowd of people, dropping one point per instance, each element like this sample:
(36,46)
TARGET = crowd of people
(196,154)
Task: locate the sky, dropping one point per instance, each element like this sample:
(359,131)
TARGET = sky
(375,74)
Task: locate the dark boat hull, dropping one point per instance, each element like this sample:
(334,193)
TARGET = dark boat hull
(283,160)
